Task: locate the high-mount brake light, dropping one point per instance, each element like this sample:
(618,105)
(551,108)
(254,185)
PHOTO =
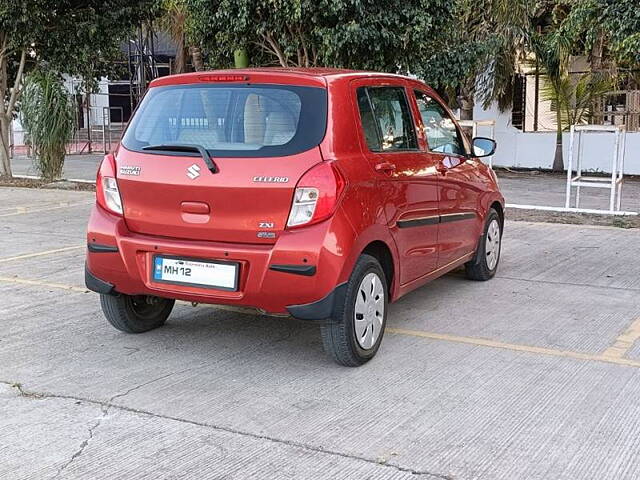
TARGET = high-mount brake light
(316,196)
(223,78)
(107,193)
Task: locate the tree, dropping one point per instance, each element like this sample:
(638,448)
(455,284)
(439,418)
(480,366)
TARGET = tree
(362,34)
(608,32)
(175,18)
(78,38)
(48,118)
(490,37)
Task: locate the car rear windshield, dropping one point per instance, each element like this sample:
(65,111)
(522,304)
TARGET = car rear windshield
(231,120)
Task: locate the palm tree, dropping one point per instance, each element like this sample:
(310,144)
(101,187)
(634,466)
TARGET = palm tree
(499,31)
(174,20)
(572,97)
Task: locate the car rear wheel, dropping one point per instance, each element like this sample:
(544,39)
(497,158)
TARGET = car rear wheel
(353,335)
(136,313)
(485,263)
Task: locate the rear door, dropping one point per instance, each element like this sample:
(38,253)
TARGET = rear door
(458,184)
(407,178)
(261,137)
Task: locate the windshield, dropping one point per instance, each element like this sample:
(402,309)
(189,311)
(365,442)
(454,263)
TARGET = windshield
(231,120)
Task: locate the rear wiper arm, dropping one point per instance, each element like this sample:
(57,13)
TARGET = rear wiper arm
(187,148)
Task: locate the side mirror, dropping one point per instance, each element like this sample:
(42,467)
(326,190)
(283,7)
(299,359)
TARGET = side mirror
(483,147)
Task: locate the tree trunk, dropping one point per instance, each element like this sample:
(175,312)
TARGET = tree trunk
(196,58)
(466,102)
(596,66)
(596,53)
(5,161)
(466,111)
(5,164)
(558,161)
(180,64)
(7,109)
(274,48)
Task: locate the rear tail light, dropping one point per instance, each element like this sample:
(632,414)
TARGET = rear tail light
(107,193)
(316,196)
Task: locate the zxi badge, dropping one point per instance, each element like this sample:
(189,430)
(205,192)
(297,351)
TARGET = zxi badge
(193,171)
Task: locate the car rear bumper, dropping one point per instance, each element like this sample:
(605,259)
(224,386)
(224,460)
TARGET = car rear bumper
(297,275)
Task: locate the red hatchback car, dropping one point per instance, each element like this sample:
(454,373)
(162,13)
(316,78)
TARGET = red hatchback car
(321,194)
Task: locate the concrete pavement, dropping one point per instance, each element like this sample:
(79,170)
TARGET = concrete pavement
(77,166)
(535,374)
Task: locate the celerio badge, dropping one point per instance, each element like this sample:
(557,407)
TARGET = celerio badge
(193,171)
(260,179)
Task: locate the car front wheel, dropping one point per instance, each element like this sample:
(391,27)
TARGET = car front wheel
(485,263)
(135,313)
(353,335)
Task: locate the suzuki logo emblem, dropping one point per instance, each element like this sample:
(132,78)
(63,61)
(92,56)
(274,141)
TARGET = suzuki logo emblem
(193,171)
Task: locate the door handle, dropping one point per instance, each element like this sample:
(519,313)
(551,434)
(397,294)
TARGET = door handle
(385,167)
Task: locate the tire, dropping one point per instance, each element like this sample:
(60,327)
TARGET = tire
(135,313)
(485,262)
(354,333)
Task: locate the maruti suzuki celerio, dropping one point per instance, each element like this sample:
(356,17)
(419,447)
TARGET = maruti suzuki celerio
(318,193)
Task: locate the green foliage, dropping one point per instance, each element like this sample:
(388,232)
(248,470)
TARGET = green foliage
(48,118)
(615,22)
(359,34)
(79,38)
(575,96)
(480,59)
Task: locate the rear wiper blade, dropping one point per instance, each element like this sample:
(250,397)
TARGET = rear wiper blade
(187,148)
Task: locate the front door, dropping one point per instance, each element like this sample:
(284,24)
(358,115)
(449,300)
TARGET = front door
(458,183)
(407,175)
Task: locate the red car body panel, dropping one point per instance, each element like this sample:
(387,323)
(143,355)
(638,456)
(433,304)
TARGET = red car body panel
(217,217)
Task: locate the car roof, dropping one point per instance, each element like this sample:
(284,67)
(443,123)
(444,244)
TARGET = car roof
(311,76)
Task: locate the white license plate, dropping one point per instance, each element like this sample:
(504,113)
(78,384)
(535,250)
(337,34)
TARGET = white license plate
(195,273)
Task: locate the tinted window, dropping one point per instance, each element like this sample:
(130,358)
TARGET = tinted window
(442,134)
(386,112)
(369,127)
(233,121)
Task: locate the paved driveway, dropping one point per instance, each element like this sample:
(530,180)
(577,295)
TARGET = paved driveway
(533,375)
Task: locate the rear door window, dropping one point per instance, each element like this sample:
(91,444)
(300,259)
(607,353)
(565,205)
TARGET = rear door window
(231,121)
(386,119)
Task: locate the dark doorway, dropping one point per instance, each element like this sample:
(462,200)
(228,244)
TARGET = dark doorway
(119,97)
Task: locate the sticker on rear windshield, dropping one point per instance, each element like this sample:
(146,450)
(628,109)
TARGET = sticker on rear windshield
(128,170)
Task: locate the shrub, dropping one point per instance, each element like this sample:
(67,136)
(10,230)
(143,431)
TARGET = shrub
(48,118)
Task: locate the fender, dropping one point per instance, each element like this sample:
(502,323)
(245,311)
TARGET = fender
(489,198)
(373,233)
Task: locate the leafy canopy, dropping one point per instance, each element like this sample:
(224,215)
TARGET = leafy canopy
(359,34)
(73,37)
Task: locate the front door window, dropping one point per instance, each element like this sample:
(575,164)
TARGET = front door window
(440,130)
